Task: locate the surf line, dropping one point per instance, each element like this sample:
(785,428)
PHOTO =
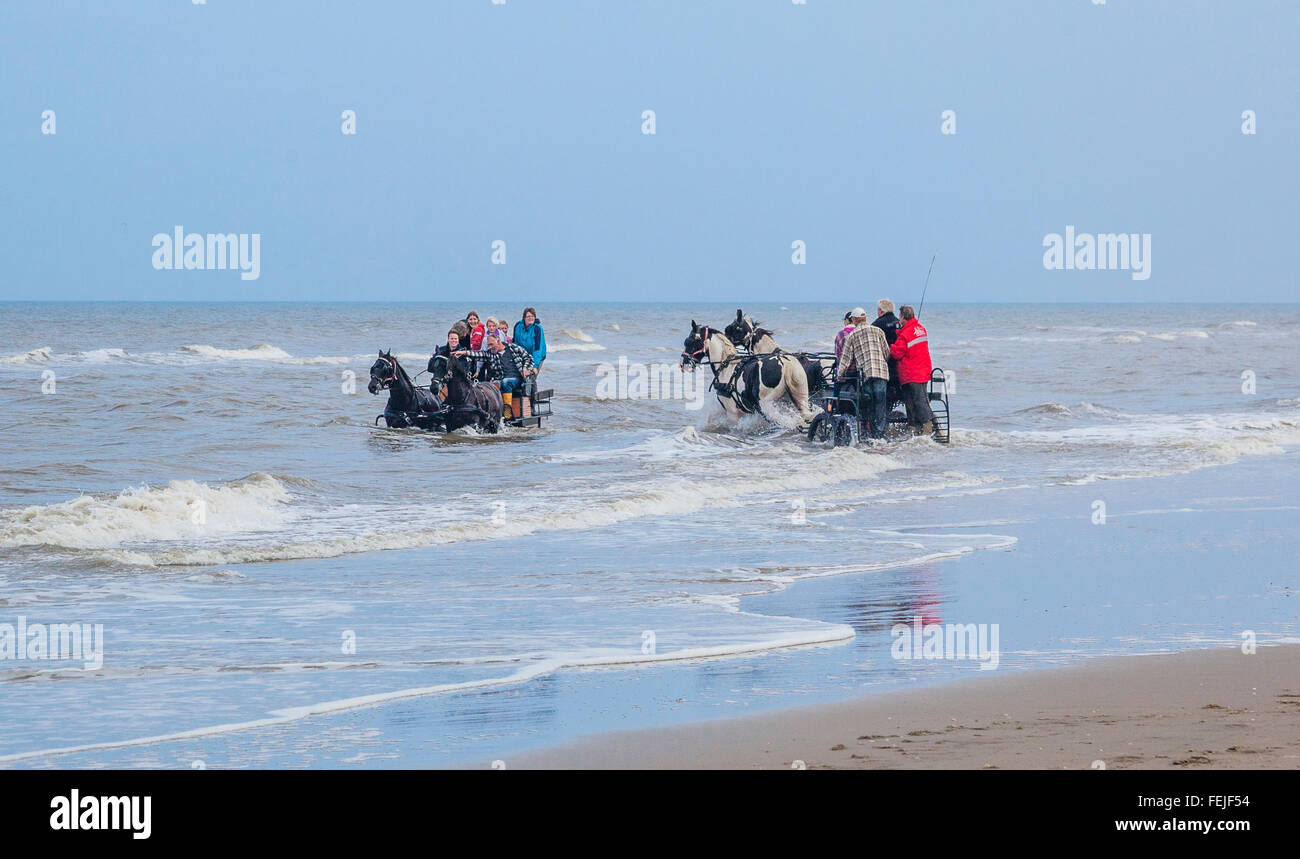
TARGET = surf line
(829,634)
(215,251)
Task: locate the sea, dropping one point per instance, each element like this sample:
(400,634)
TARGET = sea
(265,576)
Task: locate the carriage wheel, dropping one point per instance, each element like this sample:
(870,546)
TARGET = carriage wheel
(820,428)
(844,431)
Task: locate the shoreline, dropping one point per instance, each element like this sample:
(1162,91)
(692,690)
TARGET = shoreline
(1207,709)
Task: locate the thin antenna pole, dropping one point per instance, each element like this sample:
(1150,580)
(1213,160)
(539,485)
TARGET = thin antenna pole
(927,283)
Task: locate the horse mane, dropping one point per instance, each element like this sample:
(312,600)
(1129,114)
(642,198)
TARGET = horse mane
(458,370)
(727,345)
(402,370)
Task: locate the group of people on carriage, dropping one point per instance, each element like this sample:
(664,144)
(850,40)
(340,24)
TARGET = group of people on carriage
(874,367)
(480,377)
(489,354)
(886,361)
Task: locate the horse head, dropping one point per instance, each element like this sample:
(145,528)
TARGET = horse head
(384,373)
(439,368)
(695,346)
(744,331)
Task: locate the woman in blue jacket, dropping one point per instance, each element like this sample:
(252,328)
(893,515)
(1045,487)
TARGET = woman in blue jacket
(529,335)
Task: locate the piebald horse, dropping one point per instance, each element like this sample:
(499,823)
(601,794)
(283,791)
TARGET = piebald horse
(747,334)
(746,384)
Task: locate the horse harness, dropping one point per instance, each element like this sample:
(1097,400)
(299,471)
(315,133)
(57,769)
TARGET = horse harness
(746,400)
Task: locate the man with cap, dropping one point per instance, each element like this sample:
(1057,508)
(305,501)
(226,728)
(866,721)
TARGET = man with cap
(868,349)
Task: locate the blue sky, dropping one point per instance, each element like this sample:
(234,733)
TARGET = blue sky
(774,122)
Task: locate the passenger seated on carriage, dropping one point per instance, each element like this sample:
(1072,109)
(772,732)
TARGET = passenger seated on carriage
(476,330)
(508,364)
(453,345)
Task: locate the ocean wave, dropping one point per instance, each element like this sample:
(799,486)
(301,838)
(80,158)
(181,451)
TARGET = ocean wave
(321,359)
(1173,444)
(575,347)
(1194,333)
(99,356)
(674,497)
(183,509)
(260,352)
(577,334)
(1044,409)
(35,355)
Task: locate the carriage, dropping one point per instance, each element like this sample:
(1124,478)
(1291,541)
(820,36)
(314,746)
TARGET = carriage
(842,418)
(446,413)
(454,398)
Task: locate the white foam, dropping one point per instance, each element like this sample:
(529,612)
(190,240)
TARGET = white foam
(261,352)
(1173,335)
(35,355)
(100,356)
(575,347)
(577,334)
(673,497)
(1179,443)
(184,509)
(321,359)
(821,633)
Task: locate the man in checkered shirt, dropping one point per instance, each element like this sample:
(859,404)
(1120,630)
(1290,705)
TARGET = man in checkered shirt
(507,363)
(868,350)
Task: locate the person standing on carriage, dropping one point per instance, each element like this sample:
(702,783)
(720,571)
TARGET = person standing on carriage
(844,334)
(912,349)
(868,349)
(887,322)
(529,335)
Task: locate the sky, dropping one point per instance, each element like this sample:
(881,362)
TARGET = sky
(775,122)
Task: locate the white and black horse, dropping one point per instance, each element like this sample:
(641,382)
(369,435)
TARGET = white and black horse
(747,384)
(408,404)
(466,401)
(747,334)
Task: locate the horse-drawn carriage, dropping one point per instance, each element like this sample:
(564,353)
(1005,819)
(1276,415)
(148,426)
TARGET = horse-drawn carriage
(454,399)
(751,370)
(843,419)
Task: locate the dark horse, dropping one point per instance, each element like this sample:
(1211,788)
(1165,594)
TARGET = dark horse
(466,401)
(408,405)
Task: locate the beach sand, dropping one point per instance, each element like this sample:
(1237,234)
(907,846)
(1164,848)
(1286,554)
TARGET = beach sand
(1216,709)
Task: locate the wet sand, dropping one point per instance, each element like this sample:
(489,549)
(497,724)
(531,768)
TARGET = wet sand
(1215,709)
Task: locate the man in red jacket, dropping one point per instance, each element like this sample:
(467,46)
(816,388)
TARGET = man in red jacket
(912,349)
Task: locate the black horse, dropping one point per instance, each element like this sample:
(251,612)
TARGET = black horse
(466,401)
(408,404)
